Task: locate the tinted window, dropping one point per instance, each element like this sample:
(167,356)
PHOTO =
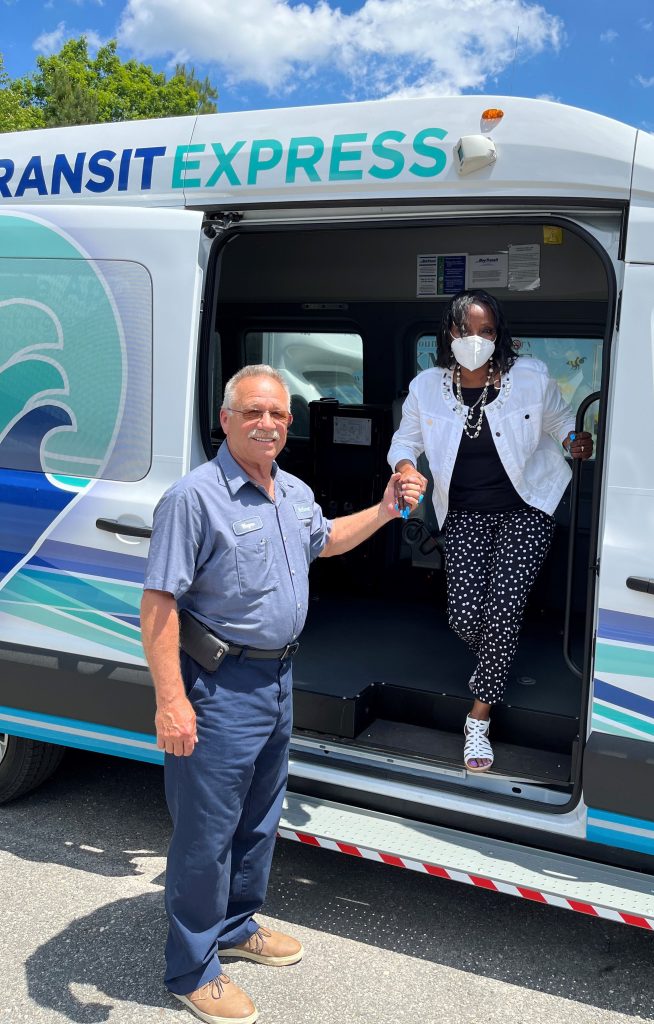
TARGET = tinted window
(314,365)
(574,363)
(75,368)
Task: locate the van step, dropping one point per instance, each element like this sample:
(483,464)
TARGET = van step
(614,894)
(436,745)
(349,716)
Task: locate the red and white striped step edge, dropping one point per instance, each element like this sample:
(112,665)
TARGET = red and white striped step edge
(536,896)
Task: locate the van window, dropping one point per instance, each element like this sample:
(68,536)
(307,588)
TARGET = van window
(574,363)
(75,368)
(314,365)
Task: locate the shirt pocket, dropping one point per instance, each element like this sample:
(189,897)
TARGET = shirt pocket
(526,424)
(255,565)
(434,428)
(304,531)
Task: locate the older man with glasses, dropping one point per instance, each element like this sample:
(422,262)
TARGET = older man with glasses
(229,558)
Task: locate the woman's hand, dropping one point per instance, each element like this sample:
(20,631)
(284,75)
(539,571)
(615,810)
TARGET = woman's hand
(579,446)
(410,485)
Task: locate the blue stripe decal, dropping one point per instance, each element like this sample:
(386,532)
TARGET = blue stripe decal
(634,629)
(37,730)
(133,619)
(623,698)
(621,819)
(624,840)
(76,559)
(150,756)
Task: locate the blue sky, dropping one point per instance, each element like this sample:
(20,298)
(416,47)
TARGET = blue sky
(270,53)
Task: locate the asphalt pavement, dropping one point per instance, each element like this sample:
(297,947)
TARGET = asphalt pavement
(82,862)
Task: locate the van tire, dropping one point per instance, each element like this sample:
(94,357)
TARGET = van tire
(24,765)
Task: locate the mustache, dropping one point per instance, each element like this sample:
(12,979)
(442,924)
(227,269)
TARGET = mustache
(264,435)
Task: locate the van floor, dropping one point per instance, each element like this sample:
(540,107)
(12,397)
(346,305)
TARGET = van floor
(421,671)
(348,643)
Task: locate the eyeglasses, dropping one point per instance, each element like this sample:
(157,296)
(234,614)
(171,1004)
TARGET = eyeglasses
(279,417)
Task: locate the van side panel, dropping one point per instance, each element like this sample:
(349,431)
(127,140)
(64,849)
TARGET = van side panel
(641,218)
(620,749)
(94,425)
(406,150)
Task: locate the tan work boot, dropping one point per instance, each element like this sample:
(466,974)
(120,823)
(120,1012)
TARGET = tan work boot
(220,1002)
(265,947)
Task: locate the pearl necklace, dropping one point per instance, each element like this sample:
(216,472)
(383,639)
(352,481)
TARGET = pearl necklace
(471,429)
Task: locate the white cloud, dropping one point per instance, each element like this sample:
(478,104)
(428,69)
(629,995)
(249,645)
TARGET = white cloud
(93,39)
(385,48)
(609,36)
(646,25)
(646,83)
(50,42)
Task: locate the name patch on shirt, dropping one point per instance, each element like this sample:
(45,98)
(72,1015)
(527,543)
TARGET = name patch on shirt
(247,525)
(303,509)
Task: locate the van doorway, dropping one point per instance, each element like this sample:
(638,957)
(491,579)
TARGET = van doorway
(341,311)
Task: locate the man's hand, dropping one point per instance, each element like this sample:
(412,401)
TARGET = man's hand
(176,728)
(399,494)
(175,717)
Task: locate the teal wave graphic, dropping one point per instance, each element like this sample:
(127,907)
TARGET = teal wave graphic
(60,333)
(62,382)
(22,383)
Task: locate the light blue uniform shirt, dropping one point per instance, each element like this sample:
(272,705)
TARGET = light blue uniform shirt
(235,558)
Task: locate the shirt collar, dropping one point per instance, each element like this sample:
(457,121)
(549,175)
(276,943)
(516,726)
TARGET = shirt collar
(235,475)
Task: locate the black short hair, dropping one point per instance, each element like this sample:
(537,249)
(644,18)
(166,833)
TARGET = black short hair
(455,314)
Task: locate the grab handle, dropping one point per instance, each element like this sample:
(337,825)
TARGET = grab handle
(638,583)
(572,537)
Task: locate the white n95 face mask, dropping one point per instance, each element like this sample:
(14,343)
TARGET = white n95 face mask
(473,351)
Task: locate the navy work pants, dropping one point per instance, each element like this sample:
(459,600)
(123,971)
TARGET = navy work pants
(225,801)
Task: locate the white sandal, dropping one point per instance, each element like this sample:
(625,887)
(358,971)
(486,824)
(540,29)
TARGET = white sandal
(477,746)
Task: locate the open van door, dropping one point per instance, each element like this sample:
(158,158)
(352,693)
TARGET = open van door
(99,312)
(618,772)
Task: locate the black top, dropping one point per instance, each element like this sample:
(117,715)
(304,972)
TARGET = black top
(479,481)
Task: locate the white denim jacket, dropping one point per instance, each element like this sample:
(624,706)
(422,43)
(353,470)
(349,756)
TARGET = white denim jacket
(524,419)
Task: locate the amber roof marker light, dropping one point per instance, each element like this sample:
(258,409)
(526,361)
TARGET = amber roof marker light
(490,118)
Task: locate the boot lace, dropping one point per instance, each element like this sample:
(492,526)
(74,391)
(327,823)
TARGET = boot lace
(257,941)
(215,988)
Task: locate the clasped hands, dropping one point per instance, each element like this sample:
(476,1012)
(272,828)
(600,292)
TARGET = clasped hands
(409,487)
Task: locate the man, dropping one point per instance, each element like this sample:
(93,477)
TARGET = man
(231,544)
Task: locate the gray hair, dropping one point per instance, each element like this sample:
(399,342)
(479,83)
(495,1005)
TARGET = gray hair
(256,370)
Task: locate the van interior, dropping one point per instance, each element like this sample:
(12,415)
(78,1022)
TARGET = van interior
(349,313)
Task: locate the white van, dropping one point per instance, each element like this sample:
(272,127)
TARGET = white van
(141,264)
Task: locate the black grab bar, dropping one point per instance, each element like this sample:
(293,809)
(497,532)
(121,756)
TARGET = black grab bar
(572,537)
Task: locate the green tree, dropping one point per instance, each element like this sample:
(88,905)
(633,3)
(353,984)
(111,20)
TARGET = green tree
(71,87)
(204,89)
(14,116)
(68,101)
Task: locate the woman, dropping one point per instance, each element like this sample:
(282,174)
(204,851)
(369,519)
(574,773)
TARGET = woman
(487,421)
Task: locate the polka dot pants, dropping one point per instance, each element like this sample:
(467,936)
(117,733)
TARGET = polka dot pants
(492,560)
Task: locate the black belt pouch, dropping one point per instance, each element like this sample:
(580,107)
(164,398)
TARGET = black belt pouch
(199,642)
